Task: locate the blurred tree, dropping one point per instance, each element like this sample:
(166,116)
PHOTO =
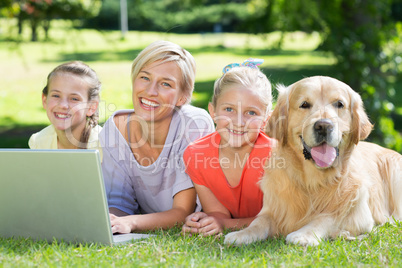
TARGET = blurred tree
(41,12)
(195,18)
(174,15)
(365,38)
(35,11)
(109,15)
(6,3)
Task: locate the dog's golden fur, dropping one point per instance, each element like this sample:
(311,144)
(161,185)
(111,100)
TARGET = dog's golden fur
(306,202)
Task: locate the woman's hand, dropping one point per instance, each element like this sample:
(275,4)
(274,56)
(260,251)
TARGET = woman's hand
(123,225)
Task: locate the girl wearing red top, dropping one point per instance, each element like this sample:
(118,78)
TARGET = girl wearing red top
(227,165)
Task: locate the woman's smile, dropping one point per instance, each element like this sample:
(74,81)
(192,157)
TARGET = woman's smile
(148,104)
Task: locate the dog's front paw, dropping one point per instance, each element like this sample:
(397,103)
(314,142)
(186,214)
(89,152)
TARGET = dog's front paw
(240,237)
(236,238)
(303,238)
(246,236)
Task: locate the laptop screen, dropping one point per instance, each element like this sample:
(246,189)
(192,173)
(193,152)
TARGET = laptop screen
(53,194)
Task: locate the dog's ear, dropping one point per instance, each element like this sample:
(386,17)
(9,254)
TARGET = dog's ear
(277,123)
(361,126)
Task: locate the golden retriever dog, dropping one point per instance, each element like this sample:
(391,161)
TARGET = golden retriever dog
(330,183)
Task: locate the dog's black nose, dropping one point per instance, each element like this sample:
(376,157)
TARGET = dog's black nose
(323,126)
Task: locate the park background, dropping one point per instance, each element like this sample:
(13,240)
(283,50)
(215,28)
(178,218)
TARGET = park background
(358,42)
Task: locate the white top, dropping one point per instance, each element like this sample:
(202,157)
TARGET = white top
(47,139)
(134,188)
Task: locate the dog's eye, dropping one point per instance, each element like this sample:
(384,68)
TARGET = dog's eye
(339,104)
(305,105)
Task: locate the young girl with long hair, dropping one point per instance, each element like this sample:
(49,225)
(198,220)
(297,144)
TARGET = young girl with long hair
(71,100)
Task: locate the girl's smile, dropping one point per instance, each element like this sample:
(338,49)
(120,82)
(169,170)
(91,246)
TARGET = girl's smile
(235,132)
(62,116)
(66,103)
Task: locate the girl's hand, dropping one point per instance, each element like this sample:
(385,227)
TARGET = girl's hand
(201,223)
(192,224)
(121,224)
(210,226)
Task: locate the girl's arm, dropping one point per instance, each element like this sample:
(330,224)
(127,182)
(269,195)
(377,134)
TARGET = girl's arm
(210,204)
(183,205)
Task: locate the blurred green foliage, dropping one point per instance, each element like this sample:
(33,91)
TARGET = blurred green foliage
(174,15)
(39,13)
(363,36)
(366,40)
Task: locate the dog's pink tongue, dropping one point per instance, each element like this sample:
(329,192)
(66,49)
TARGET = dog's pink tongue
(323,155)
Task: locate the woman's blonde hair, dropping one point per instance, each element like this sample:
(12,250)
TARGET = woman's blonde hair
(82,70)
(251,78)
(166,51)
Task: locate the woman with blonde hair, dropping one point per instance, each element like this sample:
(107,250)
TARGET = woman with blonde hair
(145,181)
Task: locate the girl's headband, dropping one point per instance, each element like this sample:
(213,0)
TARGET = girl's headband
(252,63)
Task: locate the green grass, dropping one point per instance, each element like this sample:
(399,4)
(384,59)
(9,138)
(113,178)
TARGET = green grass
(380,248)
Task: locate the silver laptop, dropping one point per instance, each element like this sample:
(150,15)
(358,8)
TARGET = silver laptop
(55,194)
